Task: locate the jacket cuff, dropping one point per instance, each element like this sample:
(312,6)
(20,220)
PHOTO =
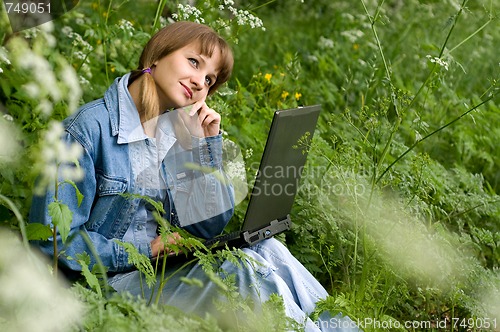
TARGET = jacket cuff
(207,151)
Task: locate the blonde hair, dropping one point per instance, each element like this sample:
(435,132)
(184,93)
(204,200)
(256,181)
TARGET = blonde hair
(169,39)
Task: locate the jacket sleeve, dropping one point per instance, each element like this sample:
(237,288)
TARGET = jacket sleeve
(203,200)
(112,255)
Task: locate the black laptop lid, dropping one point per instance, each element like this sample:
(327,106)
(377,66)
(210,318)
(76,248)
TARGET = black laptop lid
(281,166)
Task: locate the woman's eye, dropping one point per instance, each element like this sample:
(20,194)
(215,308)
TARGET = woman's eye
(208,80)
(194,62)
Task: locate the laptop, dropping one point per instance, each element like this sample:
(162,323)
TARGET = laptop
(276,182)
(277,179)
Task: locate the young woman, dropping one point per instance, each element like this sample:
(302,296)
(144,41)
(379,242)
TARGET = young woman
(137,141)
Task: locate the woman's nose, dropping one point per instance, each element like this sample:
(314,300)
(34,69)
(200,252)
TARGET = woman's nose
(198,80)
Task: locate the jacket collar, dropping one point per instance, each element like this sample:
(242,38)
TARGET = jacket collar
(124,117)
(125,120)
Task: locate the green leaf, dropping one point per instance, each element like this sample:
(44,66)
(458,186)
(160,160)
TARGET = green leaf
(140,261)
(79,195)
(192,281)
(84,261)
(61,218)
(37,231)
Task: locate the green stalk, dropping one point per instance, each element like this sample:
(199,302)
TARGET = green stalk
(421,89)
(164,281)
(159,10)
(443,47)
(471,35)
(99,263)
(19,218)
(393,94)
(432,133)
(54,230)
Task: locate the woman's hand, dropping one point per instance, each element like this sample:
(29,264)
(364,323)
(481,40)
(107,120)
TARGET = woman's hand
(201,120)
(158,247)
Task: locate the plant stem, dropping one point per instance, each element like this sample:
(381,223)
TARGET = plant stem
(432,133)
(19,218)
(393,95)
(164,281)
(55,266)
(159,10)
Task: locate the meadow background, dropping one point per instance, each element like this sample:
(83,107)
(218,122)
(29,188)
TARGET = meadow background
(398,214)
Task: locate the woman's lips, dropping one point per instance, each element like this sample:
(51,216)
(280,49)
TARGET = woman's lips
(187,91)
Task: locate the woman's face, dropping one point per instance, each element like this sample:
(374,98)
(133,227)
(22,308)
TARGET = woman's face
(184,77)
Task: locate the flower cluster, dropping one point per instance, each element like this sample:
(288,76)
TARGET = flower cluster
(46,82)
(352,35)
(127,27)
(242,17)
(324,43)
(438,61)
(188,12)
(43,86)
(81,50)
(58,158)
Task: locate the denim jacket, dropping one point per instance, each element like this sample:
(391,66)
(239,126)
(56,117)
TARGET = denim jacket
(196,200)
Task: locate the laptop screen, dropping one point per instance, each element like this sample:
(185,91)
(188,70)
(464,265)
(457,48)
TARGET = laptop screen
(281,166)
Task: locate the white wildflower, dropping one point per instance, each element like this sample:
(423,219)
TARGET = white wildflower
(47,26)
(188,12)
(32,89)
(352,35)
(70,79)
(438,61)
(79,55)
(58,157)
(8,117)
(78,41)
(31,299)
(126,26)
(30,33)
(325,43)
(67,30)
(248,153)
(9,149)
(312,58)
(51,40)
(236,170)
(348,17)
(243,17)
(83,81)
(163,21)
(44,107)
(42,71)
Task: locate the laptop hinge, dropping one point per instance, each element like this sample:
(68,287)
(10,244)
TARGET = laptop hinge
(275,227)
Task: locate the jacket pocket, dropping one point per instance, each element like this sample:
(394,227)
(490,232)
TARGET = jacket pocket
(107,185)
